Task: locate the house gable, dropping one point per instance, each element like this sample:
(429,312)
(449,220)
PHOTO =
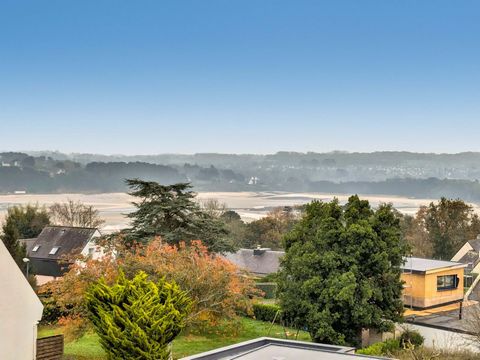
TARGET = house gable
(20,311)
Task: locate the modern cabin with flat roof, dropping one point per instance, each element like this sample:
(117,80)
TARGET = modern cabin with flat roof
(432,283)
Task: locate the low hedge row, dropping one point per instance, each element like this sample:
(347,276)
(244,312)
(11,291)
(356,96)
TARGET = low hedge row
(267,312)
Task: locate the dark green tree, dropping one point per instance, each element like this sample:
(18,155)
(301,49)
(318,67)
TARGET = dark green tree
(171,212)
(29,219)
(22,222)
(137,319)
(341,272)
(10,238)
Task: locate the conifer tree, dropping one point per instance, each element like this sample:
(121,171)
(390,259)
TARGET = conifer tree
(10,238)
(170,211)
(137,319)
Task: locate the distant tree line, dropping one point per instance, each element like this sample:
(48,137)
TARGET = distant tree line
(283,171)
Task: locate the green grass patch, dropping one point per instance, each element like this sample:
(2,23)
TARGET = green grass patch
(88,346)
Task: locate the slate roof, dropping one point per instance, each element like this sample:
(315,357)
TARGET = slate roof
(475,244)
(471,259)
(421,265)
(69,240)
(258,261)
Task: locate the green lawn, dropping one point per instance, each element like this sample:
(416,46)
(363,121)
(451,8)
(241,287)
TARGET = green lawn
(88,347)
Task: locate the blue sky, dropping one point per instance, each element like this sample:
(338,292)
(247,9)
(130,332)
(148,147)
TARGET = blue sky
(243,76)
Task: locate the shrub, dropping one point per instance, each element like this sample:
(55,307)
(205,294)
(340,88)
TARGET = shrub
(268,278)
(269,289)
(382,348)
(411,337)
(137,319)
(52,312)
(213,283)
(267,312)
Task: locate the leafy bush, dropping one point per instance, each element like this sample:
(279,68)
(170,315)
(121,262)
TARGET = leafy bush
(267,312)
(412,337)
(269,289)
(137,319)
(382,348)
(268,278)
(375,349)
(52,311)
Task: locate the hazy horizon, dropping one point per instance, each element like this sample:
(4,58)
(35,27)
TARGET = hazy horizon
(233,153)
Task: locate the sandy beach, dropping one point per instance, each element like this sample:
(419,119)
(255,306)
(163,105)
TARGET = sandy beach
(250,205)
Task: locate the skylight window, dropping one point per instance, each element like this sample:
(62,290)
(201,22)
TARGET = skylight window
(35,248)
(54,250)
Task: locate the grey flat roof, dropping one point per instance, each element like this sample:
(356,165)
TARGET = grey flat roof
(279,349)
(423,265)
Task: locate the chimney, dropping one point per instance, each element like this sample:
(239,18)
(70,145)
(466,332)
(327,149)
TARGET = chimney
(260,251)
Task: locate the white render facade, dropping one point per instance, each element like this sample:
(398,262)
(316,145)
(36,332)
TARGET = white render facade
(20,311)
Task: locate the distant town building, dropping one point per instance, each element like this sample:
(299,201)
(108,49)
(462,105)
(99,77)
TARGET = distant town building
(253,180)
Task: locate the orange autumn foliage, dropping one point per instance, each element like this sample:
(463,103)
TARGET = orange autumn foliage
(217,287)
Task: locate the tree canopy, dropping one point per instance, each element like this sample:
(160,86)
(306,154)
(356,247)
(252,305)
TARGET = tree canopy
(75,213)
(341,272)
(171,212)
(22,222)
(440,229)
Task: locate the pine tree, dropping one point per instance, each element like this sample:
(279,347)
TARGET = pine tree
(137,319)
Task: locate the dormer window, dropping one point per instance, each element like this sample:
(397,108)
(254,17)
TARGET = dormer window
(35,248)
(54,250)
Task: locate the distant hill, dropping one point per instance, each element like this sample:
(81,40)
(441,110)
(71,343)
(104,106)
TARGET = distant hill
(393,173)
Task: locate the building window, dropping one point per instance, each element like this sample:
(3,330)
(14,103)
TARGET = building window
(91,251)
(54,250)
(447,282)
(35,248)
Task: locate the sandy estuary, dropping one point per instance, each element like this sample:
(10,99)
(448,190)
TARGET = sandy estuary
(113,207)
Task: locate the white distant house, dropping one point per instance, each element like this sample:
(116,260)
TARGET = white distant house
(253,180)
(20,311)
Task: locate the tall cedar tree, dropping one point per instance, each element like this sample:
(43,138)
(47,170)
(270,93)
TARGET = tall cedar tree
(170,211)
(341,272)
(137,319)
(22,222)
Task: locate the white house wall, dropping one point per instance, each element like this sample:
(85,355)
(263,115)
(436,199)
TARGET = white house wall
(20,311)
(98,251)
